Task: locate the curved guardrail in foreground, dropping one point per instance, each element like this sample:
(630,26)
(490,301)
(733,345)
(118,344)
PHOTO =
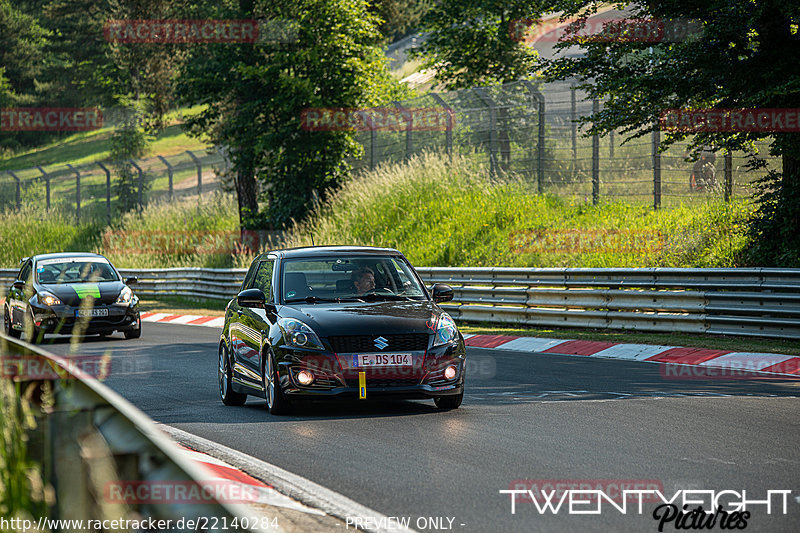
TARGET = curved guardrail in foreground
(97,449)
(733,301)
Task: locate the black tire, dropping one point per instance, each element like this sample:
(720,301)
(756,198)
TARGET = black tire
(447,403)
(135,333)
(277,403)
(7,329)
(225,377)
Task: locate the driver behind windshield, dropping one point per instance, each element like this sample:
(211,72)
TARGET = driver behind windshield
(363,280)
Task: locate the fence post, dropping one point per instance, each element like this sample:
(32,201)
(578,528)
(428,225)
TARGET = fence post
(169,173)
(450,118)
(656,167)
(728,175)
(19,192)
(108,191)
(595,157)
(141,183)
(373,152)
(46,185)
(77,192)
(540,144)
(199,174)
(408,117)
(480,91)
(574,122)
(611,144)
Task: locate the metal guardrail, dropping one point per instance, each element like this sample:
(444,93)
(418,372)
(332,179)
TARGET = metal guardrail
(92,437)
(737,301)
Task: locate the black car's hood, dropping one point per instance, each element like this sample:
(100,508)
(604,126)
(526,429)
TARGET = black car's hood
(73,293)
(358,318)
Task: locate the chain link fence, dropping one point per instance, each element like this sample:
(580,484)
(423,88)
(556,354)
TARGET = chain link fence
(91,190)
(532,130)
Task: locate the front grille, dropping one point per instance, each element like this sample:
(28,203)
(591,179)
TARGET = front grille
(366,343)
(381,383)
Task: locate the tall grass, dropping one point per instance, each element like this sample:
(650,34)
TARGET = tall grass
(23,494)
(451,213)
(32,230)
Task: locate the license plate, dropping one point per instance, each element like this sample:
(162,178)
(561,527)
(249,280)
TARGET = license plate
(383,359)
(91,312)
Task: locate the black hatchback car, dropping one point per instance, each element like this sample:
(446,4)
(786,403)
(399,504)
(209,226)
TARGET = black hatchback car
(336,321)
(70,293)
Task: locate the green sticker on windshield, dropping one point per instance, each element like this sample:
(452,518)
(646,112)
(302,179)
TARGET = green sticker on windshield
(87,289)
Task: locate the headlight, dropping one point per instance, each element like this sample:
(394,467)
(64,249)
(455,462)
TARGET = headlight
(48,299)
(125,295)
(446,330)
(296,333)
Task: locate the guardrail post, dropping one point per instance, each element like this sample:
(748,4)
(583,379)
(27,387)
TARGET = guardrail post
(46,184)
(728,175)
(141,183)
(77,192)
(19,192)
(108,191)
(595,157)
(169,173)
(199,174)
(450,117)
(656,167)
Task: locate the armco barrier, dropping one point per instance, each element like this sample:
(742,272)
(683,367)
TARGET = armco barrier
(93,438)
(737,301)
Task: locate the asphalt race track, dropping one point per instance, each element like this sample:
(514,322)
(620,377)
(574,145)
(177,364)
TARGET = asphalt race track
(524,417)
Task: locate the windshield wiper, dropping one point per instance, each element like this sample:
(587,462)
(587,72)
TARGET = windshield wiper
(383,296)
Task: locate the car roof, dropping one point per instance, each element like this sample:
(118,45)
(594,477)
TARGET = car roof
(330,251)
(66,255)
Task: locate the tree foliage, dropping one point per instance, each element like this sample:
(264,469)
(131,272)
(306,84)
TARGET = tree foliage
(254,95)
(471,43)
(744,57)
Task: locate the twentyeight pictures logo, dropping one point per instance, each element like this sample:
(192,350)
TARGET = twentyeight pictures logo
(682,509)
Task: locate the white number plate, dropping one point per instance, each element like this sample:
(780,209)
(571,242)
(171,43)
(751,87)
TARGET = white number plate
(383,359)
(91,312)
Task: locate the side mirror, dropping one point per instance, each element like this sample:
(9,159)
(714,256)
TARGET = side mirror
(442,293)
(19,284)
(251,298)
(131,280)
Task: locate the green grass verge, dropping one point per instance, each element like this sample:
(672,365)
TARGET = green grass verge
(713,342)
(452,213)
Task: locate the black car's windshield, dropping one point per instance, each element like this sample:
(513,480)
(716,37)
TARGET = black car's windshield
(77,270)
(349,278)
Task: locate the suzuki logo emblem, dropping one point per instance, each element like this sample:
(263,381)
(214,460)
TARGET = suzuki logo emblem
(381,343)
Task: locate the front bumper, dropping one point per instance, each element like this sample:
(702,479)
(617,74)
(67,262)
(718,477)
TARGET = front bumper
(335,379)
(61,319)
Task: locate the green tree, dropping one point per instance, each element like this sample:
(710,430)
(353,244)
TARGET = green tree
(471,42)
(399,17)
(254,96)
(745,57)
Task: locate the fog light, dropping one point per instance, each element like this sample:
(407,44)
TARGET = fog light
(304,377)
(450,372)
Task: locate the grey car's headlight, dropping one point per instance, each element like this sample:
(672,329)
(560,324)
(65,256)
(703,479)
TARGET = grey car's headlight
(446,330)
(296,333)
(125,295)
(49,299)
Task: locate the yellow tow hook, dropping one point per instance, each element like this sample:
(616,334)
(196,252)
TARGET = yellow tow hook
(362,385)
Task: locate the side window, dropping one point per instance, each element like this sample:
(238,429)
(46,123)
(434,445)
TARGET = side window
(248,278)
(25,272)
(263,278)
